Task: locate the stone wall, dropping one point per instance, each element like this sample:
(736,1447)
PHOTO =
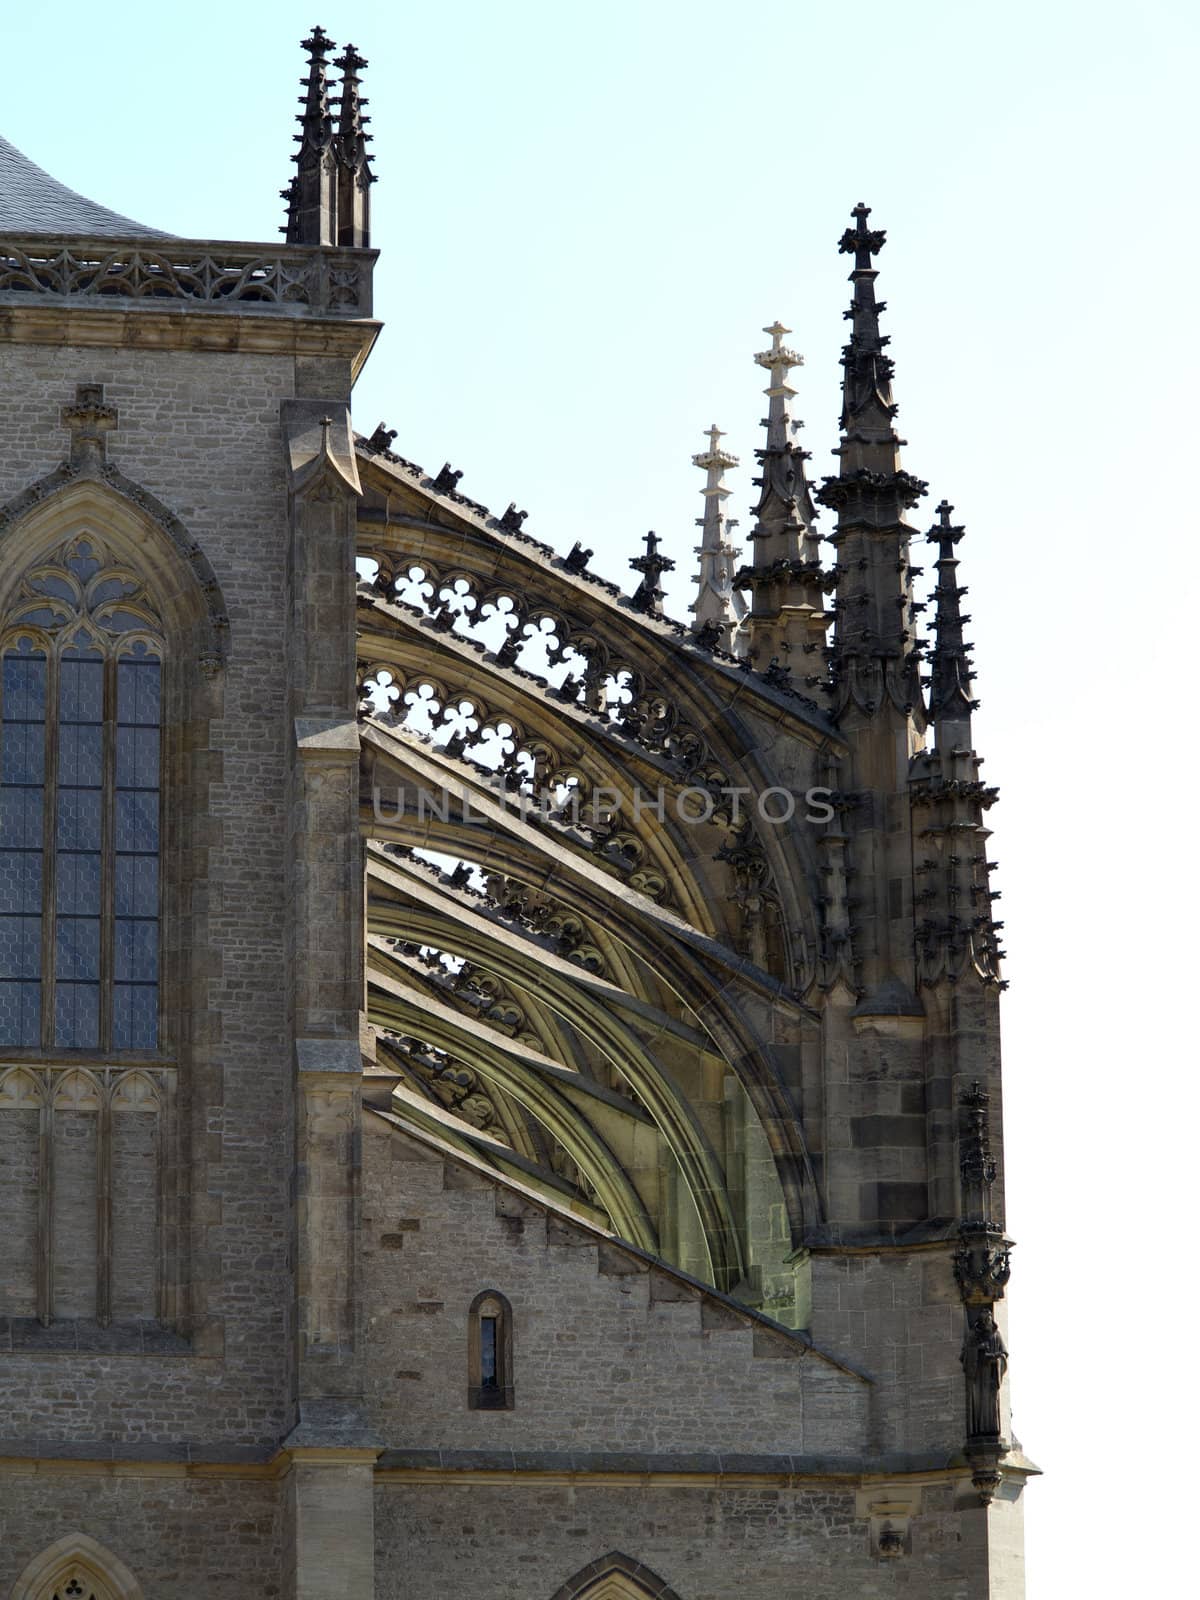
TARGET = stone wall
(184,1538)
(200,431)
(745,1541)
(607,1354)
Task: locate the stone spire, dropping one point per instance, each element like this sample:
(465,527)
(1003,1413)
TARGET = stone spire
(874,657)
(312,193)
(950,698)
(784,575)
(354,177)
(648,596)
(956,933)
(718,607)
(875,681)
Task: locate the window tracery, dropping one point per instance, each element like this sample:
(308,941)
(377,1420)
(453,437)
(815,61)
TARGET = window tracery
(75,1567)
(82,1141)
(80,726)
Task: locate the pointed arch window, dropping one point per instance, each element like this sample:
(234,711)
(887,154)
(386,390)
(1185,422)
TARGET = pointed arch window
(77,1568)
(81,658)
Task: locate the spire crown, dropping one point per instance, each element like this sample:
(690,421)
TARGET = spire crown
(349,63)
(944,532)
(316,122)
(718,608)
(328,199)
(778,357)
(714,457)
(950,697)
(860,241)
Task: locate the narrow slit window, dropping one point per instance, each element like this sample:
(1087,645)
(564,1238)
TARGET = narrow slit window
(488,1327)
(490,1353)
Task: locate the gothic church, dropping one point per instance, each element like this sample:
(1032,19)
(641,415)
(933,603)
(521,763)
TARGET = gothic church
(508,1105)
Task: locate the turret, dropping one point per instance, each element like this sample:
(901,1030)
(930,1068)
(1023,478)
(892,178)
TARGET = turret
(354,178)
(719,607)
(876,689)
(874,656)
(787,619)
(950,701)
(312,194)
(955,931)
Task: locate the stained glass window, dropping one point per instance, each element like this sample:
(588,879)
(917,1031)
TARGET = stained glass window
(81,732)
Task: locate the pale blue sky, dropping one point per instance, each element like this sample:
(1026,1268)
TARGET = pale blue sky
(586,217)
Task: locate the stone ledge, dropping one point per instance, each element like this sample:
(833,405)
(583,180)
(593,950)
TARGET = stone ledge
(637,1464)
(140,1452)
(27,1336)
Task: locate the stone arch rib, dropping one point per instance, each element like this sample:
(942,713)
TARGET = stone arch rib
(615,1577)
(77,1555)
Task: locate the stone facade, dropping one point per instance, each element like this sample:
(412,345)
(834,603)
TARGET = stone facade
(570,1166)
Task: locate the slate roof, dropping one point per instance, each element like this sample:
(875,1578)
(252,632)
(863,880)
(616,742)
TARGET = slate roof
(31,201)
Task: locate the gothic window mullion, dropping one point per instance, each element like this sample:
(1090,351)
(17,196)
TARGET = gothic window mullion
(48,852)
(45,1216)
(79,865)
(104,1220)
(23,840)
(107,863)
(138,802)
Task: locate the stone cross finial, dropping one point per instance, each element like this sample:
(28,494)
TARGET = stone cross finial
(717,602)
(648,595)
(778,359)
(714,460)
(860,241)
(318,44)
(944,533)
(88,421)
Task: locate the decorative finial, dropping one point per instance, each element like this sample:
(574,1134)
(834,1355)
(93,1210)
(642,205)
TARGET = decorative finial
(783,574)
(785,512)
(950,698)
(350,147)
(89,420)
(318,44)
(648,596)
(861,241)
(875,658)
(718,605)
(778,360)
(311,196)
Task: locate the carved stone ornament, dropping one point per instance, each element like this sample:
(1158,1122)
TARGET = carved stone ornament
(982,1266)
(89,419)
(984,1362)
(276,281)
